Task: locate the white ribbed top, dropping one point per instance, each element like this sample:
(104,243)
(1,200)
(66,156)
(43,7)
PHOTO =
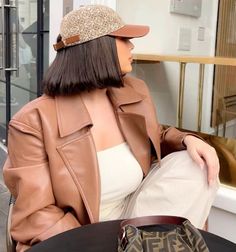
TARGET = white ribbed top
(120,175)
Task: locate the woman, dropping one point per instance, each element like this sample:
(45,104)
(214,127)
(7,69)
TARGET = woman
(79,151)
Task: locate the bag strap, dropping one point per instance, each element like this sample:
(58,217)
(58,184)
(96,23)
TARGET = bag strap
(152,220)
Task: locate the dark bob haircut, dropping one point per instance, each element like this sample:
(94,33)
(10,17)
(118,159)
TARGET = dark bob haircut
(84,67)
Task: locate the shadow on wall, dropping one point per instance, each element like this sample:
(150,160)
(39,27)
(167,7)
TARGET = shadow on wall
(156,77)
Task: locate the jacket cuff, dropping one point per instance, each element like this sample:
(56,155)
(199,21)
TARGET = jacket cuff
(66,223)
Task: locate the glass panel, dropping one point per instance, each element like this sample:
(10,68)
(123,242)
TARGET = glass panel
(20,97)
(46,15)
(28,24)
(13,37)
(24,86)
(1,45)
(225,76)
(46,36)
(2,112)
(21,22)
(23,54)
(46,52)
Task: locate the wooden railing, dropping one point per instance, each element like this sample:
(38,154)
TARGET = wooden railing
(183,60)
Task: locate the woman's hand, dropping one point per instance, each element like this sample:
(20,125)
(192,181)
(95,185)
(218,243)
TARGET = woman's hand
(202,153)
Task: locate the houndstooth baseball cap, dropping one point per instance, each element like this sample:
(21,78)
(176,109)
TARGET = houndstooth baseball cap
(93,21)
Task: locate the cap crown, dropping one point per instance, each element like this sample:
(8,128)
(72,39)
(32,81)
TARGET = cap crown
(89,22)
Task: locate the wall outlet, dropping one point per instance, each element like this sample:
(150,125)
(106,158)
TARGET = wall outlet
(185,37)
(201,33)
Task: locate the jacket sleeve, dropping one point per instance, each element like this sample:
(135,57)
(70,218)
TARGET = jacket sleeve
(171,140)
(27,174)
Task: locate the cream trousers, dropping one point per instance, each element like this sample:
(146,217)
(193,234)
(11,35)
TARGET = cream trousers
(178,188)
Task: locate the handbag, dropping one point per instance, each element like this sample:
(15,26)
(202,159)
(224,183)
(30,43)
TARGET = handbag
(184,237)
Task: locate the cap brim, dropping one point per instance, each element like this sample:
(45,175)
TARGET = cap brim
(131,31)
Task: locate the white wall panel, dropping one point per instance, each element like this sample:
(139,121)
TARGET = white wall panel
(56,13)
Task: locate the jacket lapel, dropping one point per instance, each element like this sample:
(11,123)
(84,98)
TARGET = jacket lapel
(127,99)
(78,150)
(134,129)
(80,158)
(132,122)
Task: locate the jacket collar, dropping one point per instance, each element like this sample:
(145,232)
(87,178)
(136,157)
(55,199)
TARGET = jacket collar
(124,95)
(72,114)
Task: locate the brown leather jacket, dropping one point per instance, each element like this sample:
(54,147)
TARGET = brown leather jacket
(52,168)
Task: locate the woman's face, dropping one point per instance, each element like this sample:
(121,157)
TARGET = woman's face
(124,48)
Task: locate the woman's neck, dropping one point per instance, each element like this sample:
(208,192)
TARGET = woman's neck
(95,95)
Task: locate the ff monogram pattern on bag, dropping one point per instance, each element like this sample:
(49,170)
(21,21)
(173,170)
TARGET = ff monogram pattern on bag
(184,238)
